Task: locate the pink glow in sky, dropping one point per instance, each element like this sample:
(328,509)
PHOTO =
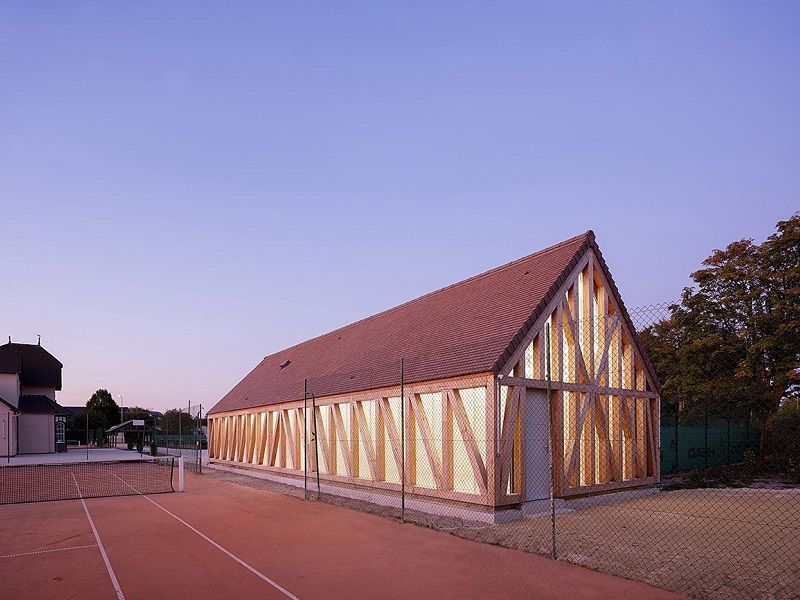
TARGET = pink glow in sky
(185,188)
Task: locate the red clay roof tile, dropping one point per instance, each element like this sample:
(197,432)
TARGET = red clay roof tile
(469,327)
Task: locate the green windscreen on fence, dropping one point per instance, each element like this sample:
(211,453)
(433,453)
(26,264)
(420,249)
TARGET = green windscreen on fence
(695,446)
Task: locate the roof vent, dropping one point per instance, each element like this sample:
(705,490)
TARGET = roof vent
(285,364)
(527,272)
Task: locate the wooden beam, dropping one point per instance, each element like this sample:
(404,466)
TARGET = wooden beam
(602,369)
(510,418)
(559,333)
(342,436)
(273,440)
(470,444)
(354,440)
(447,440)
(607,456)
(391,430)
(574,335)
(557,439)
(599,272)
(574,453)
(427,439)
(291,439)
(366,439)
(558,297)
(299,438)
(263,419)
(380,441)
(324,443)
(410,473)
(541,384)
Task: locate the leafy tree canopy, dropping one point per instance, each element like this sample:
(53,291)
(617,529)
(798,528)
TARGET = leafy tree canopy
(137,412)
(174,421)
(103,411)
(732,344)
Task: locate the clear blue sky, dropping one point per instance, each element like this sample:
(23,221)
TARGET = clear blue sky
(187,187)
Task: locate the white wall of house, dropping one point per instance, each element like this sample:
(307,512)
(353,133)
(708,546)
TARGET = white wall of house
(9,388)
(50,392)
(36,434)
(8,442)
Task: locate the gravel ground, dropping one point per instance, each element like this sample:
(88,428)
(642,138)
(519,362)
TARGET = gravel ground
(707,543)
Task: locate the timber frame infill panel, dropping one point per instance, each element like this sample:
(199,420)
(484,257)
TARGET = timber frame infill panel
(604,404)
(359,438)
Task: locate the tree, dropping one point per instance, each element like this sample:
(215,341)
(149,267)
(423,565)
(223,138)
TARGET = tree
(175,420)
(733,342)
(137,412)
(103,411)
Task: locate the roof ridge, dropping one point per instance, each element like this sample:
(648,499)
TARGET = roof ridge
(587,235)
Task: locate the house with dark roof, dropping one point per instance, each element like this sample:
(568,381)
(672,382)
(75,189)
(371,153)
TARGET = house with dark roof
(467,395)
(31,421)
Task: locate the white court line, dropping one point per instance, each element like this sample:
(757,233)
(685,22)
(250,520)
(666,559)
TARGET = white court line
(115,583)
(215,544)
(47,551)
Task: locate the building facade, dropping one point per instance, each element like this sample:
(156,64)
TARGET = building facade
(523,380)
(31,421)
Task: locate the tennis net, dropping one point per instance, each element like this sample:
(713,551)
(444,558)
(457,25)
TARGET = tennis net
(70,481)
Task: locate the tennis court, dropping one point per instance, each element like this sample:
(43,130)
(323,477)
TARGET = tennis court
(220,540)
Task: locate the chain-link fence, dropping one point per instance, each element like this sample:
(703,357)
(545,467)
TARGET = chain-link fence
(182,432)
(609,441)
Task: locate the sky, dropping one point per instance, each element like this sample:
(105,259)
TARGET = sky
(186,187)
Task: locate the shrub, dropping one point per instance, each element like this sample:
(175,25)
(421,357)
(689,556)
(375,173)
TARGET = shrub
(783,442)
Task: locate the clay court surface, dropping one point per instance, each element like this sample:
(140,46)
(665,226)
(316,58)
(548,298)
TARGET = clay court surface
(220,540)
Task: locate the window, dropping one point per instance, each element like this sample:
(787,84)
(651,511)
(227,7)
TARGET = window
(60,432)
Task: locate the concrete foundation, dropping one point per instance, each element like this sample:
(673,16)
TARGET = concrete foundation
(388,498)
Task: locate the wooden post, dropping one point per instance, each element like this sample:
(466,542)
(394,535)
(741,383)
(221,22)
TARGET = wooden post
(447,442)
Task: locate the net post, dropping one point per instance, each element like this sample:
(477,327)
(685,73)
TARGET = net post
(200,439)
(180,472)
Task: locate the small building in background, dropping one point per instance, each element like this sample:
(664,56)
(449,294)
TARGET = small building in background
(31,421)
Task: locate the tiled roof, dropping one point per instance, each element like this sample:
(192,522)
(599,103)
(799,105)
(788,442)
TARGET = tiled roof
(469,327)
(38,404)
(36,366)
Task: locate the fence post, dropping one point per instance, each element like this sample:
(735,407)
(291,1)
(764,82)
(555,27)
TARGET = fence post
(402,442)
(305,439)
(550,439)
